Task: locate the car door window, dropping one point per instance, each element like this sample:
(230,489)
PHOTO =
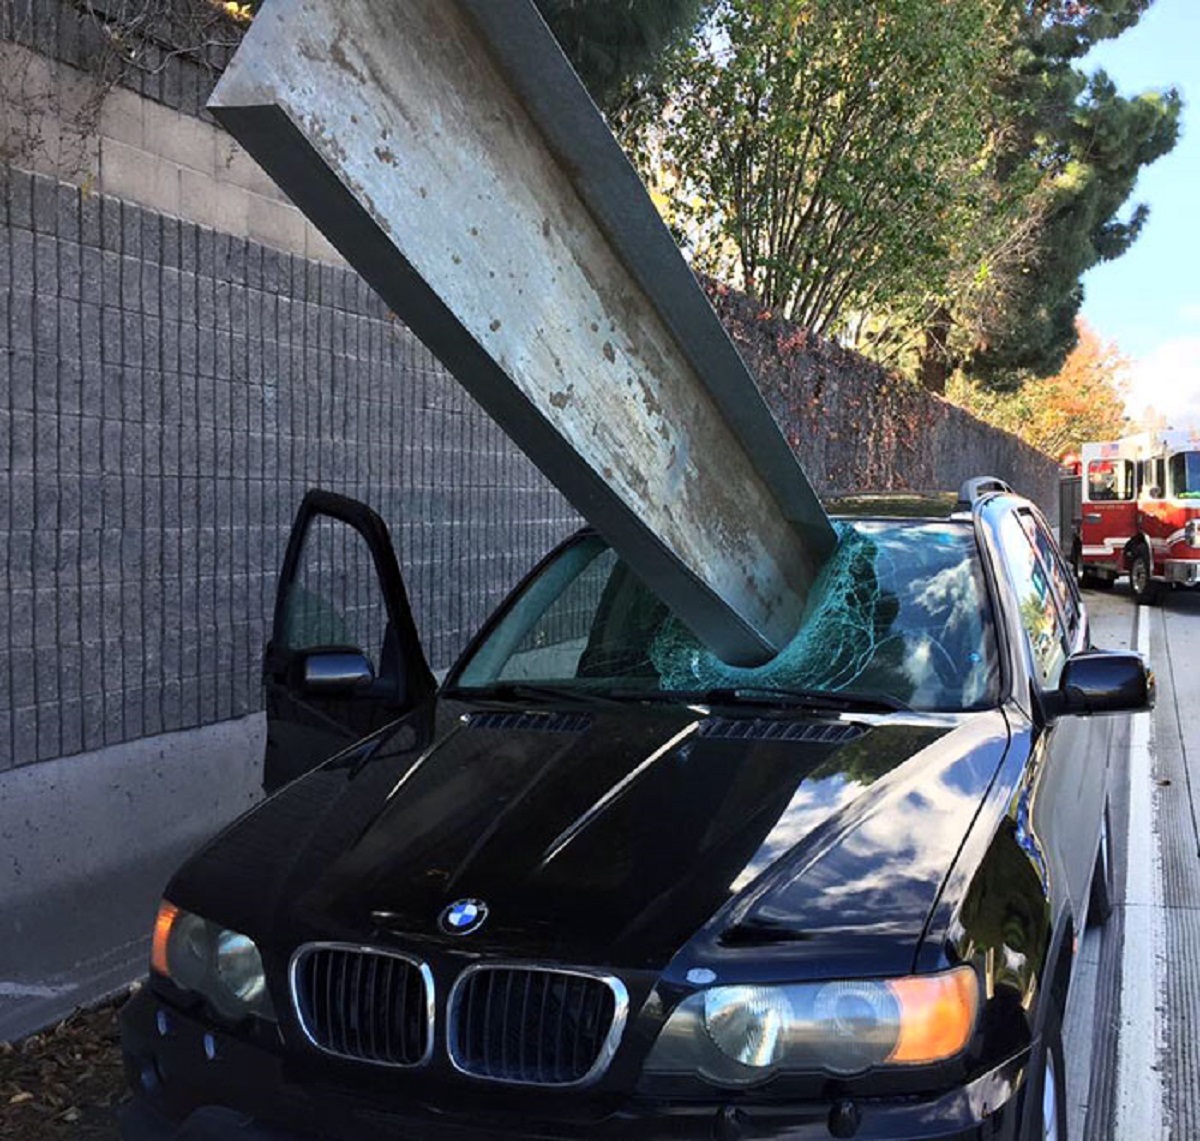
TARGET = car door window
(1036,602)
(1061,580)
(340,599)
(335,599)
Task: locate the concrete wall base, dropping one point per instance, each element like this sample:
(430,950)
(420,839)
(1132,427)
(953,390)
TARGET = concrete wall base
(87,844)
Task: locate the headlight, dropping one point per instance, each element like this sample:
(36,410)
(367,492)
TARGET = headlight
(222,966)
(1191,533)
(747,1023)
(742,1035)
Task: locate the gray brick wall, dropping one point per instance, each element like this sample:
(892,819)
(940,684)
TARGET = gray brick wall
(167,394)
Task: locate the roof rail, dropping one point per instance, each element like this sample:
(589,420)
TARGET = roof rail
(977,488)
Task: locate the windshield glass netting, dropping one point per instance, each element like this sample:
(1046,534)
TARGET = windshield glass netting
(900,610)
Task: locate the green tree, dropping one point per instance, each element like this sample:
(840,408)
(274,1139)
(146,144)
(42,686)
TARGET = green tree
(1069,148)
(821,153)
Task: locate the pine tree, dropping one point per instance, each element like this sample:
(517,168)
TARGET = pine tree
(1073,147)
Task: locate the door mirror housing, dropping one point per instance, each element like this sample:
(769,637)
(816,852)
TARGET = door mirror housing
(336,672)
(1105,681)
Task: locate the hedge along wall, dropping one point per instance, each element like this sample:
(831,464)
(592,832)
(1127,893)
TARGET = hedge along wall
(857,427)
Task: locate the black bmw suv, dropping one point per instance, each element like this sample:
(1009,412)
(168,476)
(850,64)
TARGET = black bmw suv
(599,884)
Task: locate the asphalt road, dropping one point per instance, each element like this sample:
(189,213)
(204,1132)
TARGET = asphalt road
(1133,1019)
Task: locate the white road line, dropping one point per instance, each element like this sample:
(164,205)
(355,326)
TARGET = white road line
(1143,954)
(30,990)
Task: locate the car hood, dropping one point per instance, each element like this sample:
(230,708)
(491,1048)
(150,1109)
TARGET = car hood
(615,835)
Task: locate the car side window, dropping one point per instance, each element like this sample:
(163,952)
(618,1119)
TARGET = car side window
(1035,598)
(335,598)
(1060,578)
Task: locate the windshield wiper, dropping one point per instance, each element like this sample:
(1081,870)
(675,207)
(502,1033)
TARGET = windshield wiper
(527,691)
(771,695)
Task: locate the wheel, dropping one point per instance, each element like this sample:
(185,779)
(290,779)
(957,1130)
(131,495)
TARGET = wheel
(1145,589)
(1047,1117)
(1081,575)
(1101,895)
(1087,578)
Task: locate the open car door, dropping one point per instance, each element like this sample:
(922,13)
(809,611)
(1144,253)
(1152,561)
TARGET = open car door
(344,657)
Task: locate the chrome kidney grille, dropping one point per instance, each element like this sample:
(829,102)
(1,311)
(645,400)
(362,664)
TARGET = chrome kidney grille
(364,1004)
(535,1026)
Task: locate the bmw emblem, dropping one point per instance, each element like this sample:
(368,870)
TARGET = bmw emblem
(463,916)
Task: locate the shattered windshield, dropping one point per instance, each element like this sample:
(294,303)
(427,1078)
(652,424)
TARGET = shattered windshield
(900,612)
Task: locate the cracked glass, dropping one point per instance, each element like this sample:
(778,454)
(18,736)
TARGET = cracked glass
(900,611)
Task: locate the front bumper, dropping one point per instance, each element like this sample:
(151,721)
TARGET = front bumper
(1184,572)
(198,1083)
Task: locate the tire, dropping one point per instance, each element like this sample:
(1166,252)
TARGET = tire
(1082,576)
(1085,577)
(1047,1116)
(1100,896)
(1145,589)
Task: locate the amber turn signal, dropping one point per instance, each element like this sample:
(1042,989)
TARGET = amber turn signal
(163,922)
(937,1015)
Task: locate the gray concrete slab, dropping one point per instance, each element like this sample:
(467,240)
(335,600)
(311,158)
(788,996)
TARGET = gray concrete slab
(87,844)
(448,151)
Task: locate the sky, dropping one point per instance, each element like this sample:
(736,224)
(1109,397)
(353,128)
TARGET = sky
(1148,301)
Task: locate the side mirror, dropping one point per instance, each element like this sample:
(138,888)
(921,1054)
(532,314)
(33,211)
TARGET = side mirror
(1105,681)
(336,671)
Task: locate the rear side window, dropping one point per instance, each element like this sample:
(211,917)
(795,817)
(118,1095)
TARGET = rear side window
(1035,600)
(1052,563)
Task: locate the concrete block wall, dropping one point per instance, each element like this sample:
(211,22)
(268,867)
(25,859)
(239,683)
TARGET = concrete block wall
(169,393)
(182,354)
(111,139)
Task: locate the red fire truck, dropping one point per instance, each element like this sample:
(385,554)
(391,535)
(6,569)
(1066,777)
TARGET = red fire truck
(1132,506)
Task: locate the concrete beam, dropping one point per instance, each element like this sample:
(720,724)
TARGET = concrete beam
(447,149)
